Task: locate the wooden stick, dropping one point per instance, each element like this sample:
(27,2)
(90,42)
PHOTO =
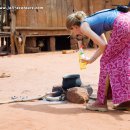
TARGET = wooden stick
(22,100)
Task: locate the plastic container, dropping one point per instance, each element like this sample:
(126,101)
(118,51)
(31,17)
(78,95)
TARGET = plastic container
(81,56)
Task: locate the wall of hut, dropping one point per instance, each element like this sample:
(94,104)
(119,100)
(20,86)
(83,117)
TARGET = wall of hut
(43,27)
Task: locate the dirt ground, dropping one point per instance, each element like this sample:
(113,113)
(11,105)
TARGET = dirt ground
(35,74)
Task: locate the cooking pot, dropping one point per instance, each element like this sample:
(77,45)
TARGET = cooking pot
(70,81)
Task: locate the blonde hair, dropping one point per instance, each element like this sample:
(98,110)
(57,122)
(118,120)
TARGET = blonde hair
(75,19)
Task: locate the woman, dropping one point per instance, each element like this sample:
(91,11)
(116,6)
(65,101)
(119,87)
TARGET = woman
(115,61)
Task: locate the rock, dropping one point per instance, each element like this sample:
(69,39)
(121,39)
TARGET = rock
(77,95)
(88,88)
(4,75)
(57,90)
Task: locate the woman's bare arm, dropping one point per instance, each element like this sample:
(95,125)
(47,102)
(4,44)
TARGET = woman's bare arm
(103,37)
(86,30)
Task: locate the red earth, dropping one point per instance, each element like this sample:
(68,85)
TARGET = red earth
(35,74)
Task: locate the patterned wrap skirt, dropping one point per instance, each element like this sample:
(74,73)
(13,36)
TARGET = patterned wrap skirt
(115,62)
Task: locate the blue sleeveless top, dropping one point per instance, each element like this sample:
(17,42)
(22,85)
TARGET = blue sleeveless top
(102,21)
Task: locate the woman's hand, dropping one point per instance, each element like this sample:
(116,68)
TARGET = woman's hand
(86,60)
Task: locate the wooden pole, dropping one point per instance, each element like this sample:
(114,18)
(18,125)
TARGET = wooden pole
(12,27)
(23,44)
(52,44)
(20,43)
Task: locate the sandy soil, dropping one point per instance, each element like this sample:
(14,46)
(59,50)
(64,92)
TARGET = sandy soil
(35,74)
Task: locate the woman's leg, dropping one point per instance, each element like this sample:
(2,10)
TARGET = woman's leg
(97,105)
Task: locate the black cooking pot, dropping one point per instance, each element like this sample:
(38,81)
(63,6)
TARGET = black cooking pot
(70,81)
